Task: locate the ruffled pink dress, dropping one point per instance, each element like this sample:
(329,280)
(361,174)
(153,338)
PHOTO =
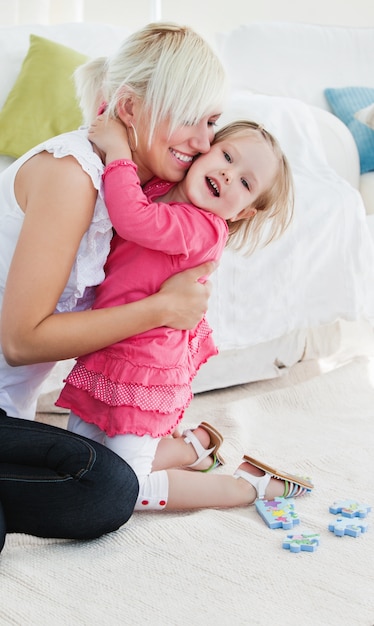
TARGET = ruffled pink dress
(142,385)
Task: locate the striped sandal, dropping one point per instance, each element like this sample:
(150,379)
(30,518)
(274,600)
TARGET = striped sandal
(294,486)
(215,443)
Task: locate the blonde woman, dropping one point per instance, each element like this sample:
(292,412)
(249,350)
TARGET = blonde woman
(54,239)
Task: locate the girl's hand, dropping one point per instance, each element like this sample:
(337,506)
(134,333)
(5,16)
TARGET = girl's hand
(110,137)
(187,296)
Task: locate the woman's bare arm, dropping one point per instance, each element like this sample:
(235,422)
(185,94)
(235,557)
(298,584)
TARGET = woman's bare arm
(59,205)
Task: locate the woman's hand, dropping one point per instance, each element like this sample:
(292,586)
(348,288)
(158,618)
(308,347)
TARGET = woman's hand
(187,295)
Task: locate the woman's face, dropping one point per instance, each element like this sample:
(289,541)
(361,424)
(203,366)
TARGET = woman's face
(169,157)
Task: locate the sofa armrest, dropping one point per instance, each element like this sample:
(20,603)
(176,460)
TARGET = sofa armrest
(340,147)
(367,191)
(5,161)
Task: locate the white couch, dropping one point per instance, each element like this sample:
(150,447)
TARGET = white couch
(293,299)
(278,73)
(301,61)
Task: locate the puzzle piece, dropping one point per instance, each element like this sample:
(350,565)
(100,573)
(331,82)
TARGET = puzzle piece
(343,526)
(350,508)
(307,541)
(278,513)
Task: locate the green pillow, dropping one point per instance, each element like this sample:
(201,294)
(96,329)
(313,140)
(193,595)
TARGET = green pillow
(42,102)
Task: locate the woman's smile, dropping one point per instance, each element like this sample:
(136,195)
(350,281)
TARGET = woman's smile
(186,159)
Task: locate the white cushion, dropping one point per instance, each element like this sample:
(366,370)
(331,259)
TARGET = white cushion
(298,60)
(339,145)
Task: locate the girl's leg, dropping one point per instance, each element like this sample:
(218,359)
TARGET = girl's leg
(194,490)
(179,489)
(186,490)
(252,479)
(54,483)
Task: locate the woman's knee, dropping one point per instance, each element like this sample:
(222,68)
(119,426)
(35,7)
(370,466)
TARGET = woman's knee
(2,527)
(114,487)
(81,489)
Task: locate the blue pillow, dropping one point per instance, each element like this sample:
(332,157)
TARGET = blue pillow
(344,103)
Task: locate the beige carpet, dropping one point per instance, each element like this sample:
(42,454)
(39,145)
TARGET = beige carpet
(227,567)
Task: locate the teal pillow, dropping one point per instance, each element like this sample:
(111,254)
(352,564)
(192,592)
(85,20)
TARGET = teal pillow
(344,103)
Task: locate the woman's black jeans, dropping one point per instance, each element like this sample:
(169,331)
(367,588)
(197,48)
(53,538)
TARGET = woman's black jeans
(54,483)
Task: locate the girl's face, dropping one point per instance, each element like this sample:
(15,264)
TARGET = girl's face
(230,177)
(170,157)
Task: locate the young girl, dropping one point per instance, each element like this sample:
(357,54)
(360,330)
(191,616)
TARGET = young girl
(132,395)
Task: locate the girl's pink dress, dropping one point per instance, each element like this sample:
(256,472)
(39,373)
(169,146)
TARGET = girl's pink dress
(142,385)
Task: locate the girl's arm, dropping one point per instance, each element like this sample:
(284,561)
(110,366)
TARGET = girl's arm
(154,225)
(170,228)
(110,136)
(59,205)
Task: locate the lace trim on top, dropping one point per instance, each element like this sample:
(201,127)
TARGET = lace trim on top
(87,271)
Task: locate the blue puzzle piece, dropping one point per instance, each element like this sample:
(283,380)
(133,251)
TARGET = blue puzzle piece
(278,513)
(350,508)
(343,526)
(307,541)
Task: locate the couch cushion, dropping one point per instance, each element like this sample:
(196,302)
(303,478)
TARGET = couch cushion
(345,103)
(339,145)
(366,115)
(42,102)
(298,60)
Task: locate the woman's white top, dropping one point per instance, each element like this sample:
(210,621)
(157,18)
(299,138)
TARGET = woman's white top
(20,386)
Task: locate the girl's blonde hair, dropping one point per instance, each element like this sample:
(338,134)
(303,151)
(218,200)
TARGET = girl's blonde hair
(170,68)
(274,206)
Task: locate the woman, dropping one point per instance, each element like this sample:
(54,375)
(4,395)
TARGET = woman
(54,239)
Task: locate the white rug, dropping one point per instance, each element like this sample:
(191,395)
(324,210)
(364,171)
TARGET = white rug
(227,567)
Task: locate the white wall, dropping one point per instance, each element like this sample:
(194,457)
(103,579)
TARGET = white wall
(210,17)
(206,16)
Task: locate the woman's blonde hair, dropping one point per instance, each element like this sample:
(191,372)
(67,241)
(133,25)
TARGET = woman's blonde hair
(274,206)
(170,68)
